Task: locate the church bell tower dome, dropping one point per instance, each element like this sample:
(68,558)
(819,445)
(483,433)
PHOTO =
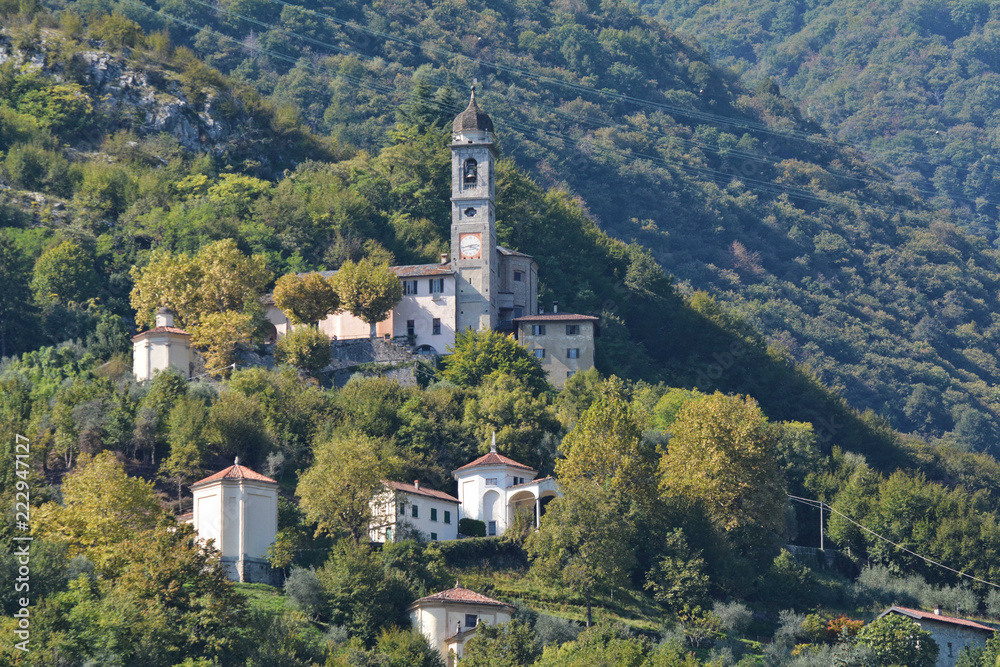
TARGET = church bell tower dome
(473,119)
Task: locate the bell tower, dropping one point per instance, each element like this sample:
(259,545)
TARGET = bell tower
(473,218)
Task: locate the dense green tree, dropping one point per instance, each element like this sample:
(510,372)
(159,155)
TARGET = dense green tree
(607,448)
(723,455)
(305,348)
(305,299)
(15,298)
(584,541)
(64,272)
(509,645)
(898,640)
(337,489)
(478,354)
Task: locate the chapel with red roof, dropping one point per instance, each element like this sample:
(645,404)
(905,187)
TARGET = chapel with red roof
(236,510)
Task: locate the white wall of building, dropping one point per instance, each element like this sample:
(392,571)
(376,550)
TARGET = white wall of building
(440,620)
(240,516)
(159,351)
(394,510)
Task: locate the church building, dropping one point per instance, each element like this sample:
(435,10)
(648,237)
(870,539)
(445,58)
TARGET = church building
(479,285)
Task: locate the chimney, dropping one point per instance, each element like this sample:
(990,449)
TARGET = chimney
(937,610)
(444,258)
(555,306)
(416,483)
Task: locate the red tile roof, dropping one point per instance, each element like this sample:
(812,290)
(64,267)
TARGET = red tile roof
(156,330)
(556,317)
(931,616)
(494,459)
(430,493)
(236,471)
(462,596)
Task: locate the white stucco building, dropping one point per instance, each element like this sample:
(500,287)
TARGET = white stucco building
(402,508)
(951,634)
(237,509)
(164,346)
(493,488)
(450,618)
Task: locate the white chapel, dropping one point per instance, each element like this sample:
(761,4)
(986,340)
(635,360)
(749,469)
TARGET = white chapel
(237,508)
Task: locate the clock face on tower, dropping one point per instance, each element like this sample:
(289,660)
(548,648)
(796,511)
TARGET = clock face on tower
(471,245)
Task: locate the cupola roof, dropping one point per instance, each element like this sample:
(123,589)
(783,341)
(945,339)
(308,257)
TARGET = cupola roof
(473,118)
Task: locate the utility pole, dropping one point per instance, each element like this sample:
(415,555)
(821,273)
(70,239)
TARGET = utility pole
(821,506)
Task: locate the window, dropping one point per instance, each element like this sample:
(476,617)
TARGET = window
(491,481)
(540,353)
(950,654)
(447,516)
(434,514)
(434,536)
(518,480)
(572,329)
(411,328)
(415,513)
(388,534)
(518,311)
(491,528)
(573,353)
(436,326)
(470,212)
(471,620)
(402,508)
(537,329)
(437,285)
(470,172)
(570,374)
(409,287)
(518,276)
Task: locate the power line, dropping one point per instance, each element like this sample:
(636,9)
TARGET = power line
(821,505)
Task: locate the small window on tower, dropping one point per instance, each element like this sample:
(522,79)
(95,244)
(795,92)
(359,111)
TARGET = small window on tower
(470,212)
(518,276)
(470,173)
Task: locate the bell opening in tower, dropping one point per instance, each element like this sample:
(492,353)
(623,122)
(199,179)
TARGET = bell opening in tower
(470,174)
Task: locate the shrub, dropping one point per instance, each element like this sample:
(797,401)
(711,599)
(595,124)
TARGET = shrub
(472,527)
(306,348)
(305,592)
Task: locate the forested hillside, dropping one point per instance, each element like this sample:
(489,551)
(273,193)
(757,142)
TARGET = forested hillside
(914,84)
(881,296)
(126,159)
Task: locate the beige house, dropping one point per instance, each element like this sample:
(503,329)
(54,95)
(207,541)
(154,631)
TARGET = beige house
(237,509)
(951,634)
(164,346)
(450,618)
(402,508)
(563,342)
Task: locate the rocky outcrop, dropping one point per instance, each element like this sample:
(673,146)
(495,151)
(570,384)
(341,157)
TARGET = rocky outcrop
(145,101)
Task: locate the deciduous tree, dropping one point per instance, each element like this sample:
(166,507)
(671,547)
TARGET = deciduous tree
(305,299)
(478,354)
(368,290)
(337,489)
(897,640)
(723,455)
